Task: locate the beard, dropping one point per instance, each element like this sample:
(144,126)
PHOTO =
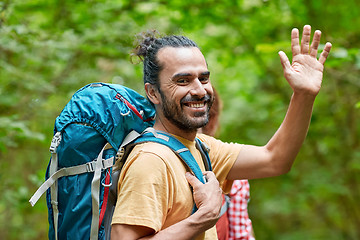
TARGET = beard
(175,114)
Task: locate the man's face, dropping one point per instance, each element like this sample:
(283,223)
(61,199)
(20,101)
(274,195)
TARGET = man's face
(185,89)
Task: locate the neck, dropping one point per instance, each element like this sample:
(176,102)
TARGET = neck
(166,126)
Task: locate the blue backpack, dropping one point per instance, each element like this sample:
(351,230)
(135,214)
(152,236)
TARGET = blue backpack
(92,137)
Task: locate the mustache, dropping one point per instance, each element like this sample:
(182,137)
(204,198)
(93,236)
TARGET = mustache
(206,98)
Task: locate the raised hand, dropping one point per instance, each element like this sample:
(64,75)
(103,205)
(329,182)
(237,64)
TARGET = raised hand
(305,73)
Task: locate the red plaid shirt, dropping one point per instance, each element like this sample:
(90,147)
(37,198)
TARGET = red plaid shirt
(240,226)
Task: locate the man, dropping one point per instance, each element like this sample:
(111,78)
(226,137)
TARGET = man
(154,200)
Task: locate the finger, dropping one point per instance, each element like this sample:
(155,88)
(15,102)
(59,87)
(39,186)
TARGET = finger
(325,53)
(295,47)
(305,40)
(193,181)
(210,176)
(315,44)
(284,60)
(211,179)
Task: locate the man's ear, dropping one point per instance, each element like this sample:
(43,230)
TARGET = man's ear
(152,93)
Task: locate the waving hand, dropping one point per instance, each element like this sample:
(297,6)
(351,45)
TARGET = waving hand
(305,73)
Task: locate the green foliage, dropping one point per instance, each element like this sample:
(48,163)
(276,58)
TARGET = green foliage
(49,49)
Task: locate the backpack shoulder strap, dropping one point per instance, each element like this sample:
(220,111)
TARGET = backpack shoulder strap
(204,151)
(150,135)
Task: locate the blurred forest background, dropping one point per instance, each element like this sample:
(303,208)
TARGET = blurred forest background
(51,48)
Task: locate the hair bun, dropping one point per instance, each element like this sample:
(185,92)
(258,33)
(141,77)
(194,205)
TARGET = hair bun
(143,43)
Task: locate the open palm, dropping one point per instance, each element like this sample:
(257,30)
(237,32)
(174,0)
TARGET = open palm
(305,73)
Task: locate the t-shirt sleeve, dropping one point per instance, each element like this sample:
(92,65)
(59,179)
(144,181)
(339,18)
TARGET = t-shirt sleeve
(143,192)
(223,156)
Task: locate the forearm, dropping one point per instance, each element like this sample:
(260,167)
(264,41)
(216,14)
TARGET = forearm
(278,155)
(208,199)
(304,74)
(284,146)
(188,228)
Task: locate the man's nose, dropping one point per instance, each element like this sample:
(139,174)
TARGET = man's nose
(198,88)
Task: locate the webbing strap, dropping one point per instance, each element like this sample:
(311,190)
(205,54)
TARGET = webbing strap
(54,188)
(164,136)
(204,151)
(225,206)
(95,190)
(79,169)
(107,186)
(129,138)
(53,194)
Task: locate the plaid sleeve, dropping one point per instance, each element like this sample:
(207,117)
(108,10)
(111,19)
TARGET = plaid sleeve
(240,226)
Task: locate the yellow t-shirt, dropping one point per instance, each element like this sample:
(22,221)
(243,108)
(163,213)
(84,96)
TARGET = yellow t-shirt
(153,190)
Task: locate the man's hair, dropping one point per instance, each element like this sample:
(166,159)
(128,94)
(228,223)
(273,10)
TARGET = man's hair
(147,46)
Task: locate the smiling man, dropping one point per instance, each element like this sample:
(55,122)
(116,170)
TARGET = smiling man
(186,94)
(155,200)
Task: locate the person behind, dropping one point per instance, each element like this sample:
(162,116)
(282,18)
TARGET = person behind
(155,200)
(234,222)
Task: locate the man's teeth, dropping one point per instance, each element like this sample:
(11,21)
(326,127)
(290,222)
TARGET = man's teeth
(196,105)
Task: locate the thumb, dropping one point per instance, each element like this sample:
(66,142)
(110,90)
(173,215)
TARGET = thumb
(284,60)
(193,181)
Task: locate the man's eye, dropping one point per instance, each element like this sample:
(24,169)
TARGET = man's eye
(182,81)
(204,79)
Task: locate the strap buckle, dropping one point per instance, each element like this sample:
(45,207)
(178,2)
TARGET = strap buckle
(120,154)
(54,203)
(55,142)
(90,167)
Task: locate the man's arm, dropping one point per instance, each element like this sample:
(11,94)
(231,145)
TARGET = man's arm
(207,198)
(304,75)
